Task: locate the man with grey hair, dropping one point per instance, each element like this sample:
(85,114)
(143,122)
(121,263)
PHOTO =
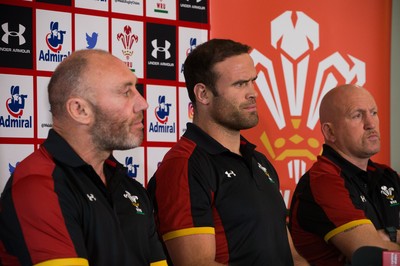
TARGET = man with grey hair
(70,202)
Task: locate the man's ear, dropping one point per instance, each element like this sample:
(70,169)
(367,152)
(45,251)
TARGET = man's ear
(202,93)
(79,110)
(328,131)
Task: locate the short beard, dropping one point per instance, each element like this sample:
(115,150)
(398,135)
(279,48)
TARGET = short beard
(109,133)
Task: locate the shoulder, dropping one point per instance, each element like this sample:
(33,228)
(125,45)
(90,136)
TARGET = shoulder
(386,168)
(324,165)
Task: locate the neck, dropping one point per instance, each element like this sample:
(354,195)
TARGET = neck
(230,139)
(361,163)
(84,147)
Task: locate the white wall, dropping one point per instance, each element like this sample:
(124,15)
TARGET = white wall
(395,88)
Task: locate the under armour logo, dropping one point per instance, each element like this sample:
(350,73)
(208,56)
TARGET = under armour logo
(230,174)
(363,199)
(160,49)
(8,33)
(91,197)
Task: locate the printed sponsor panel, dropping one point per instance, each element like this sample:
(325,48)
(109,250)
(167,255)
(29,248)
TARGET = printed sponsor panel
(161,51)
(44,120)
(53,38)
(117,26)
(186,111)
(155,156)
(16,110)
(127,44)
(129,7)
(189,38)
(298,60)
(161,114)
(91,32)
(92,4)
(165,9)
(16,37)
(194,10)
(11,155)
(133,159)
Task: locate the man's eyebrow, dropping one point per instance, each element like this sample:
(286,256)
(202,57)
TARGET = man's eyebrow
(245,80)
(127,84)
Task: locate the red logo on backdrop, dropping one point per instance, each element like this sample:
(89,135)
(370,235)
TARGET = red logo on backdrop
(292,140)
(128,39)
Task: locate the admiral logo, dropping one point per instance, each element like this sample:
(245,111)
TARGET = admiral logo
(15,106)
(162,114)
(54,41)
(192,45)
(161,7)
(295,37)
(127,38)
(132,168)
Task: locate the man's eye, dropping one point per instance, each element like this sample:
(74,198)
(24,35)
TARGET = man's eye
(241,84)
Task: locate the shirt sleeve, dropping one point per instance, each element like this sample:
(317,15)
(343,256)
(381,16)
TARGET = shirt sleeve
(191,211)
(33,214)
(334,210)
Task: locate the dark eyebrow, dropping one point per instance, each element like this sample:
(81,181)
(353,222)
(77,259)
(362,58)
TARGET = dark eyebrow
(245,80)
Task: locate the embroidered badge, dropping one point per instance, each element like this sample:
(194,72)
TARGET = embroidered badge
(264,169)
(134,201)
(388,193)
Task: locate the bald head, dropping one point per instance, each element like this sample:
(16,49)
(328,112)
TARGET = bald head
(337,100)
(350,123)
(70,77)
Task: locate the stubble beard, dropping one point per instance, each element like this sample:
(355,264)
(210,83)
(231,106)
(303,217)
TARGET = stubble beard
(109,133)
(230,117)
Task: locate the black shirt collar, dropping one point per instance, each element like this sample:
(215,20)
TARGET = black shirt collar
(347,167)
(61,151)
(212,146)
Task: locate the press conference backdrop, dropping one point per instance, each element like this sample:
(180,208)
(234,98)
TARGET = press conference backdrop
(151,37)
(301,49)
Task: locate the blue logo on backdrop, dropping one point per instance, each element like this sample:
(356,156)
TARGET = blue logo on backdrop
(162,114)
(192,45)
(132,168)
(91,40)
(54,40)
(11,168)
(15,106)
